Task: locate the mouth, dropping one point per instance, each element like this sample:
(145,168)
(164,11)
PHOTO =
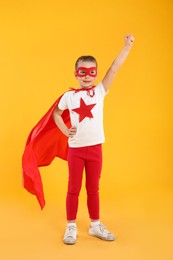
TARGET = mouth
(86,81)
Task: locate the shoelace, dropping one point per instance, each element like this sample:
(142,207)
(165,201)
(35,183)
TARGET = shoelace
(70,231)
(103,229)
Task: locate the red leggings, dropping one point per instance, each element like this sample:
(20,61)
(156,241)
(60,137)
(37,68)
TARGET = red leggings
(90,158)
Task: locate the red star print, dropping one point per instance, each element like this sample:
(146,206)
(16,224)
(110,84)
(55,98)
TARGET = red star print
(84,110)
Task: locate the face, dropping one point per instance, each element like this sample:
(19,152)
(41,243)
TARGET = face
(86,73)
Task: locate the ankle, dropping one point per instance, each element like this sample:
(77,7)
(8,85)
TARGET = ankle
(95,223)
(71,224)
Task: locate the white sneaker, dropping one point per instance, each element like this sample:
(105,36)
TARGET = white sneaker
(101,232)
(70,235)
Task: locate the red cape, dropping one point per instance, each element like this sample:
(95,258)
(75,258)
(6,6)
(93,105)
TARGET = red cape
(44,143)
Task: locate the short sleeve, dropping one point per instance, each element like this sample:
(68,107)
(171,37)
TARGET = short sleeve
(102,89)
(63,102)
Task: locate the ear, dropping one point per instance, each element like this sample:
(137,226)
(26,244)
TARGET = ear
(75,74)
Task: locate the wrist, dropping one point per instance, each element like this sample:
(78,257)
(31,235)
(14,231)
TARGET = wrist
(128,46)
(65,131)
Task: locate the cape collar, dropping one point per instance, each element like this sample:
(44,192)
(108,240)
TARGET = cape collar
(90,91)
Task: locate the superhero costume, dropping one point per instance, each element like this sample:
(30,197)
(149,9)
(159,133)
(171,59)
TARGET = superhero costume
(44,143)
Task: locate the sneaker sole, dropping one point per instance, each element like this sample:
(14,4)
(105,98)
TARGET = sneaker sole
(102,238)
(69,244)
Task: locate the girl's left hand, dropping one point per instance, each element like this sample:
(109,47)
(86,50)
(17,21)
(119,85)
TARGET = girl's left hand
(129,39)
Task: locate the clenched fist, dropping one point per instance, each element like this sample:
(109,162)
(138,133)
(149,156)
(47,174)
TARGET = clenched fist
(129,39)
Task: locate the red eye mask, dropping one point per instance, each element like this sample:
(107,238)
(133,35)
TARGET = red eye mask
(83,71)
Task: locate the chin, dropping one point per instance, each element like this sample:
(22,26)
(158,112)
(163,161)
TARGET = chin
(87,85)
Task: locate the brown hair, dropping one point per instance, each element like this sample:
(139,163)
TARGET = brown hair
(85,58)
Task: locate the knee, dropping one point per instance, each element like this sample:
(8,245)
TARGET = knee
(74,190)
(92,190)
(73,193)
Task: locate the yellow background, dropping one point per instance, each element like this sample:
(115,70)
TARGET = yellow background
(39,44)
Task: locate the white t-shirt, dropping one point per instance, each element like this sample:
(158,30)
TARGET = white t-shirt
(88,117)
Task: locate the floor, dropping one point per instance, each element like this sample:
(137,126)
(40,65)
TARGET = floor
(144,229)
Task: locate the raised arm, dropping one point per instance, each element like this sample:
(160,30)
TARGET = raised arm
(110,74)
